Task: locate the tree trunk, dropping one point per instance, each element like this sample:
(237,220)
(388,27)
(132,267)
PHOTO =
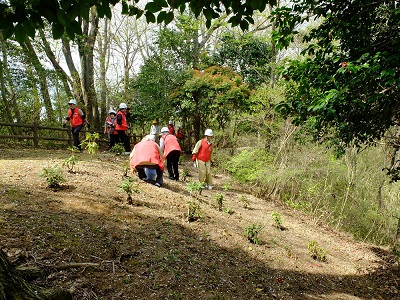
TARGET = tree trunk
(6,105)
(63,76)
(86,48)
(30,52)
(103,42)
(9,85)
(11,285)
(76,80)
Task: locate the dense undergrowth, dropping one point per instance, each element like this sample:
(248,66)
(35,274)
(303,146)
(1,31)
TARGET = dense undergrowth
(350,193)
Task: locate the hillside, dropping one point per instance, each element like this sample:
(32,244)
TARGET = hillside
(90,241)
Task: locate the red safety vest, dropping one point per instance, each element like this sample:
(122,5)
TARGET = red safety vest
(124,126)
(205,150)
(109,121)
(74,117)
(146,153)
(171,129)
(170,144)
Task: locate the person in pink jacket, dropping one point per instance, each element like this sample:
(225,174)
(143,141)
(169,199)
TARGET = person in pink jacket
(147,154)
(172,151)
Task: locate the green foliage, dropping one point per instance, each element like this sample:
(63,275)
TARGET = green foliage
(194,211)
(251,232)
(118,149)
(277,219)
(219,199)
(53,176)
(70,163)
(211,97)
(249,165)
(343,88)
(90,144)
(226,187)
(194,188)
(247,54)
(316,252)
(185,173)
(129,186)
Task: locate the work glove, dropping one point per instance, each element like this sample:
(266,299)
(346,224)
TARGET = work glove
(193,157)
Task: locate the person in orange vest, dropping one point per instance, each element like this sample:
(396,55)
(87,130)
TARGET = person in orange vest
(147,154)
(202,155)
(172,151)
(122,126)
(171,127)
(180,136)
(77,118)
(109,127)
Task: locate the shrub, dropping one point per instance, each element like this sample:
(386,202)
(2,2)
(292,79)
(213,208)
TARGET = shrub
(251,233)
(54,176)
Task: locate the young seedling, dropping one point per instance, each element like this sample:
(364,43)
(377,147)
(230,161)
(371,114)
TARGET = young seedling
(219,199)
(90,144)
(245,202)
(185,173)
(129,187)
(226,187)
(251,233)
(194,212)
(277,219)
(118,149)
(316,252)
(54,176)
(194,188)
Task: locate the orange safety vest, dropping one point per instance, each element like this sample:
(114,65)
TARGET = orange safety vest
(146,153)
(170,144)
(205,150)
(74,117)
(124,126)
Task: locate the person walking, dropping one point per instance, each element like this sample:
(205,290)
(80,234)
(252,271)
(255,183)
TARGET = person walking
(172,151)
(180,136)
(77,118)
(147,154)
(109,127)
(202,155)
(122,126)
(155,130)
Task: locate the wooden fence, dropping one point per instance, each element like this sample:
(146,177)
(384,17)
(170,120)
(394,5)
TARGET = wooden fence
(37,133)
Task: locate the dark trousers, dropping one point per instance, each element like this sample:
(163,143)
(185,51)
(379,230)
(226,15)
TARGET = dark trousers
(123,138)
(172,164)
(142,174)
(75,133)
(113,140)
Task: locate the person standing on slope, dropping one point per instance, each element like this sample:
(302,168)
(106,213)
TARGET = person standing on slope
(77,118)
(172,151)
(202,155)
(122,126)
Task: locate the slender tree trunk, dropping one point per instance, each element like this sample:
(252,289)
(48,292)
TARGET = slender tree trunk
(60,71)
(9,86)
(103,45)
(76,80)
(31,53)
(86,48)
(6,105)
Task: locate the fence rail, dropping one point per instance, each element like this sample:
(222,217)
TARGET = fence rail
(34,132)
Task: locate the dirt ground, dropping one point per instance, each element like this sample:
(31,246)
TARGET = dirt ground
(90,241)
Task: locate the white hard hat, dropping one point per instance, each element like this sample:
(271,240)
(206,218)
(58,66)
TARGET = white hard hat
(72,101)
(208,132)
(170,122)
(164,130)
(151,137)
(112,112)
(123,105)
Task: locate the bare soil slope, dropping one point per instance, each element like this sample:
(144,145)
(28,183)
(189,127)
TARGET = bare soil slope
(89,240)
